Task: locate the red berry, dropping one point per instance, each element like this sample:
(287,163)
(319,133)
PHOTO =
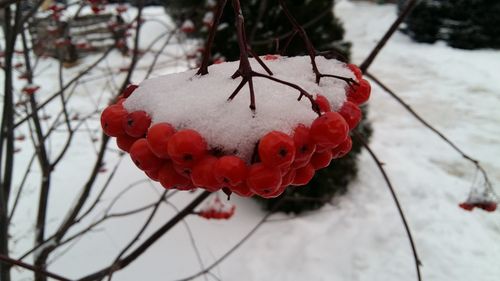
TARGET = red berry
(111,120)
(169,178)
(359,94)
(129,90)
(124,142)
(323,103)
(202,174)
(329,130)
(183,171)
(153,174)
(304,146)
(275,194)
(143,157)
(342,149)
(304,175)
(288,178)
(136,124)
(355,69)
(242,190)
(466,206)
(188,186)
(230,170)
(158,136)
(271,57)
(263,180)
(351,114)
(276,149)
(186,147)
(488,206)
(321,160)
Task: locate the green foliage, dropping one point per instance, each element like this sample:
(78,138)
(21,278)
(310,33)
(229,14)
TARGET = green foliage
(326,33)
(466,24)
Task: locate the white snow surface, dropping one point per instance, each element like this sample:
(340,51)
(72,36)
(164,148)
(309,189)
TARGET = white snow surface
(187,100)
(358,237)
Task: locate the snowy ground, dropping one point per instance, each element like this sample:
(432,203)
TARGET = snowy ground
(359,236)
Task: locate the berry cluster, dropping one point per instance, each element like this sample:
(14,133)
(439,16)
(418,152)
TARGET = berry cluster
(217,210)
(487,206)
(182,159)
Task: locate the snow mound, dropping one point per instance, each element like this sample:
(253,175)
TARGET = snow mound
(187,100)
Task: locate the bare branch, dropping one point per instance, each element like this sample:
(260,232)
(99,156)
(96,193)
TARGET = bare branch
(396,201)
(368,61)
(37,270)
(432,128)
(122,263)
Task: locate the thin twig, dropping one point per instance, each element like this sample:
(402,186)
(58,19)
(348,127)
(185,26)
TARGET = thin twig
(203,70)
(369,60)
(9,261)
(124,262)
(432,128)
(396,201)
(239,243)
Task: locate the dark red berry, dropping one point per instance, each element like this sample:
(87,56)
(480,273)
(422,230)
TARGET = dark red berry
(304,146)
(124,142)
(263,180)
(186,147)
(321,160)
(329,130)
(360,93)
(112,119)
(323,103)
(351,113)
(276,149)
(304,175)
(202,174)
(355,69)
(143,157)
(169,178)
(230,170)
(136,124)
(158,136)
(342,149)
(242,190)
(466,206)
(288,178)
(153,174)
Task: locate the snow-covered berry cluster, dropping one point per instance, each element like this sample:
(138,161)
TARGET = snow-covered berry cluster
(180,157)
(217,210)
(488,206)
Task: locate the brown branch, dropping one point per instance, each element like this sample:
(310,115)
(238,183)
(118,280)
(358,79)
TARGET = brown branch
(311,51)
(239,243)
(302,92)
(75,79)
(203,70)
(396,201)
(369,60)
(433,129)
(140,232)
(7,135)
(302,33)
(122,263)
(69,221)
(37,270)
(41,152)
(21,187)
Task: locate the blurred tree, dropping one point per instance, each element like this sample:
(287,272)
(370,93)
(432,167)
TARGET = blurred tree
(466,24)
